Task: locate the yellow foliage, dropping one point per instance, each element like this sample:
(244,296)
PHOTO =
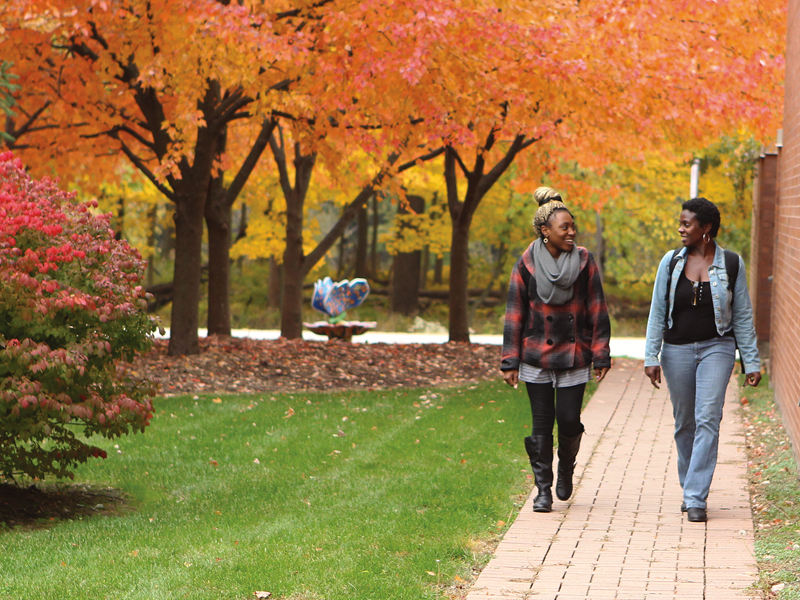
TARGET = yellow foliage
(410,232)
(136,205)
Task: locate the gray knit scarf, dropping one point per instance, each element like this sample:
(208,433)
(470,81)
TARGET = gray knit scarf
(555,277)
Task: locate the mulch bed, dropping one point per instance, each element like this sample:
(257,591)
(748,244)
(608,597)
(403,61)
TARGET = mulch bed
(241,365)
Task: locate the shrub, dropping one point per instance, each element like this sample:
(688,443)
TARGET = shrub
(72,314)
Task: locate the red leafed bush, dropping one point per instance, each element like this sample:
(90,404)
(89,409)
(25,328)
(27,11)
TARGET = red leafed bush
(72,315)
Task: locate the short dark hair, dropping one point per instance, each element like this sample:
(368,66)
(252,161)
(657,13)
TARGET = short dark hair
(706,211)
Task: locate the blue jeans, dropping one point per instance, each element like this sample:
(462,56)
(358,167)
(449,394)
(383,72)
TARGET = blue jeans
(697,375)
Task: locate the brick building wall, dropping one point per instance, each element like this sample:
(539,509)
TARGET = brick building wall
(785,327)
(765,189)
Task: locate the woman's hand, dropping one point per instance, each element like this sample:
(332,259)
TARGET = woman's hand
(511,377)
(599,373)
(753,379)
(654,373)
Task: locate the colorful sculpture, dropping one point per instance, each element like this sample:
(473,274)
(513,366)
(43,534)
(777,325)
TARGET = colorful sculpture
(333,299)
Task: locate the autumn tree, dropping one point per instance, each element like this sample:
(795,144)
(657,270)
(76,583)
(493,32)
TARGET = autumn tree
(159,82)
(165,80)
(585,81)
(590,82)
(295,181)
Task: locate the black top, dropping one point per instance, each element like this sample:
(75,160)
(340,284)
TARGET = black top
(692,313)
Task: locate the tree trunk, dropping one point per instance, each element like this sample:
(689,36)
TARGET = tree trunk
(406,270)
(120,232)
(296,265)
(293,274)
(242,231)
(423,271)
(459,277)
(294,259)
(361,243)
(188,251)
(275,283)
(479,183)
(373,269)
(218,223)
(340,271)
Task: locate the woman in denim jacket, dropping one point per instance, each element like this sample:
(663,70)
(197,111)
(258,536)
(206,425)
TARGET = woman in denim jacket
(696,331)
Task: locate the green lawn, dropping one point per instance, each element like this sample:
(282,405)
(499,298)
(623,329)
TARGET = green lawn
(369,495)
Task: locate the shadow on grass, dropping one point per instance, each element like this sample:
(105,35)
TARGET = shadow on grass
(40,505)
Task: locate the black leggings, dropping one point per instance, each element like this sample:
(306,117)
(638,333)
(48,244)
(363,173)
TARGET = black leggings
(546,411)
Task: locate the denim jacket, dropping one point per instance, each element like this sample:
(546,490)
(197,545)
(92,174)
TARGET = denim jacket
(731,311)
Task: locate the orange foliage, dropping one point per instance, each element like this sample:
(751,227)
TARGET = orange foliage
(602,77)
(585,81)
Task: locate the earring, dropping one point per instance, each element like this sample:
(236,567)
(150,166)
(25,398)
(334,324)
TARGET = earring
(706,238)
(545,240)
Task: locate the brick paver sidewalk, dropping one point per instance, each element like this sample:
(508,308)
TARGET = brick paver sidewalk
(622,534)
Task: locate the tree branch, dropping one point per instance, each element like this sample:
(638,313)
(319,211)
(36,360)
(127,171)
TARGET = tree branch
(139,164)
(303,168)
(451,183)
(423,158)
(279,154)
(136,135)
(480,160)
(461,164)
(297,11)
(348,214)
(29,123)
(235,188)
(488,180)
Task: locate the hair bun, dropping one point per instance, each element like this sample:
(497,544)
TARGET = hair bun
(545,194)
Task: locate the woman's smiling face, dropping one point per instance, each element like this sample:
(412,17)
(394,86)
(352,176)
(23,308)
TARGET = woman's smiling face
(690,229)
(560,231)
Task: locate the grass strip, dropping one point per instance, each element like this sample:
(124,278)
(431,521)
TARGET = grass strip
(775,494)
(373,495)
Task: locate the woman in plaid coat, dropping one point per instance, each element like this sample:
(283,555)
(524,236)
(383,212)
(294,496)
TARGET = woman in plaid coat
(556,328)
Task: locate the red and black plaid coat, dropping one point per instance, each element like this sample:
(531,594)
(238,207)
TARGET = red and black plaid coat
(575,334)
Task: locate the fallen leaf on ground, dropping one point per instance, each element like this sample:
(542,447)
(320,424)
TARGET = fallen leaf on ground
(243,365)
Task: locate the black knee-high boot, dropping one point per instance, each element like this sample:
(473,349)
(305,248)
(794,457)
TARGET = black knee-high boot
(540,453)
(567,451)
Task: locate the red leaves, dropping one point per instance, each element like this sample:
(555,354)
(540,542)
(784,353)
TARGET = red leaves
(67,291)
